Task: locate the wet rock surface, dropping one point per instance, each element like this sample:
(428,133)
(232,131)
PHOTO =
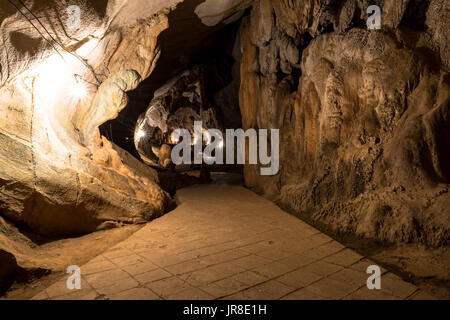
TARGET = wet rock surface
(59,176)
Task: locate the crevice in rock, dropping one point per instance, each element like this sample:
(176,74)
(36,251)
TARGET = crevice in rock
(186,43)
(415,15)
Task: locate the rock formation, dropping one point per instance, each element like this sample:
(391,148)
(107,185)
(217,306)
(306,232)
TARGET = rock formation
(8,269)
(65,69)
(176,105)
(363,114)
(59,176)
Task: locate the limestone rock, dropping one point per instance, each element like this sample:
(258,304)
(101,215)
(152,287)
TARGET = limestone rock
(212,12)
(362,122)
(58,176)
(176,105)
(8,270)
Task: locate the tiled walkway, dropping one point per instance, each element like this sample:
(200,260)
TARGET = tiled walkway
(224,241)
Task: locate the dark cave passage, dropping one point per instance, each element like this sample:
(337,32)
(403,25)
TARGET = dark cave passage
(185,44)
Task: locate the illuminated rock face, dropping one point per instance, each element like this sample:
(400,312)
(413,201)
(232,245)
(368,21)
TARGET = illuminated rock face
(58,176)
(176,105)
(364,115)
(8,270)
(213,12)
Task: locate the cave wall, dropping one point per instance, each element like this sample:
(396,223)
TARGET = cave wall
(363,114)
(58,176)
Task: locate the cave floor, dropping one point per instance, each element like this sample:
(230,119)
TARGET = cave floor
(224,241)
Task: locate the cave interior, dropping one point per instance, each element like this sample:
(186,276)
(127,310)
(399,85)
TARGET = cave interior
(358,127)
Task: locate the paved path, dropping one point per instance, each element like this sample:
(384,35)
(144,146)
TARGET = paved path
(224,241)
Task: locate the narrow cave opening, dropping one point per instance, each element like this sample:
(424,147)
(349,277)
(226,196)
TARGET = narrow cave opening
(193,55)
(186,44)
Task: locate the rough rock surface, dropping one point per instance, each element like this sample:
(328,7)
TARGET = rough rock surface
(176,105)
(8,269)
(364,115)
(213,12)
(58,176)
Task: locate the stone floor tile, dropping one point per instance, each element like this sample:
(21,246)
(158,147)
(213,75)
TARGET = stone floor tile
(298,261)
(250,262)
(299,278)
(94,267)
(190,294)
(139,268)
(169,286)
(134,294)
(274,254)
(226,269)
(303,294)
(394,285)
(151,276)
(254,248)
(60,288)
(421,295)
(249,278)
(270,290)
(351,276)
(332,289)
(322,268)
(363,264)
(223,257)
(165,260)
(119,286)
(224,287)
(273,269)
(98,259)
(344,258)
(82,294)
(186,267)
(201,278)
(117,253)
(107,278)
(366,294)
(323,251)
(127,260)
(41,296)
